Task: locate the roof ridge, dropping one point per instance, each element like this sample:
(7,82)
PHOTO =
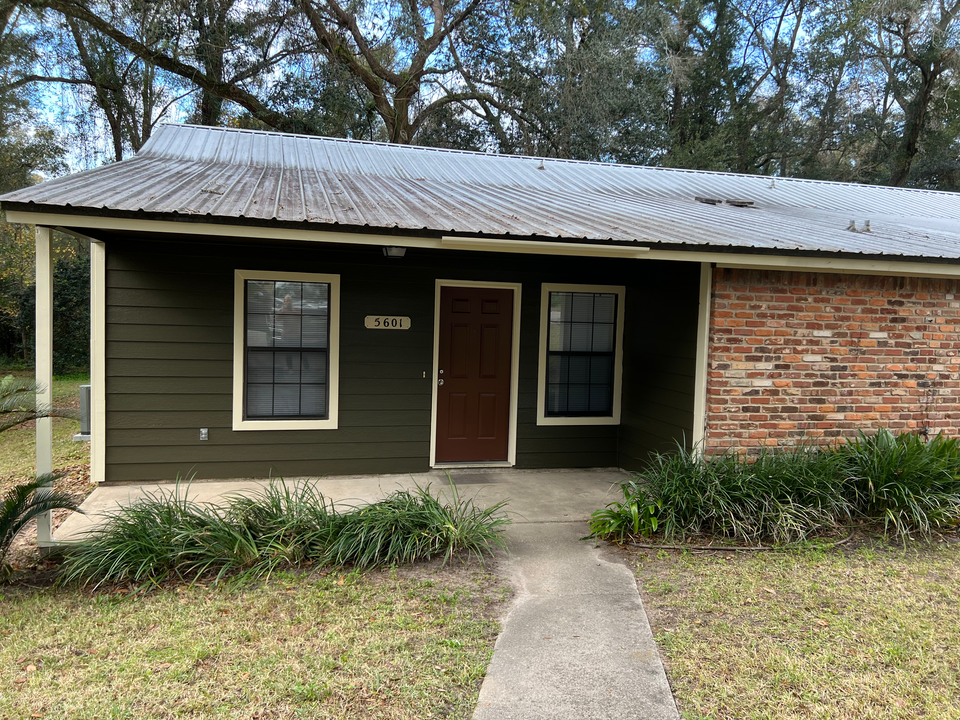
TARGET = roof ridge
(145,150)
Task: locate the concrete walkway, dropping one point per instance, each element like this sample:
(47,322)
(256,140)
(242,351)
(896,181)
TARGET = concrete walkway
(575,643)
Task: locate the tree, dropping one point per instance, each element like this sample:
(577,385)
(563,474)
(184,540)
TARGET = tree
(392,49)
(915,42)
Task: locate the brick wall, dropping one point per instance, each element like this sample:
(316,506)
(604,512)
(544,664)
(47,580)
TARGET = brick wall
(817,357)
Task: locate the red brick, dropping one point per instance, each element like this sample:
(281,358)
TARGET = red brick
(762,324)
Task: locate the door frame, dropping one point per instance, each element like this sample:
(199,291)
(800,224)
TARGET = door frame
(514,371)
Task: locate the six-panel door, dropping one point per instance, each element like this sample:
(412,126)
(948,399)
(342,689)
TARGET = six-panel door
(473,393)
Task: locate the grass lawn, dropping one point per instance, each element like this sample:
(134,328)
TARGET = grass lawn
(72,459)
(18,445)
(859,634)
(392,644)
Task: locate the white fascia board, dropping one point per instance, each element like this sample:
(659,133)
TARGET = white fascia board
(745,261)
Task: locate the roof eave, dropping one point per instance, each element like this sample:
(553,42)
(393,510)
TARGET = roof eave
(84,218)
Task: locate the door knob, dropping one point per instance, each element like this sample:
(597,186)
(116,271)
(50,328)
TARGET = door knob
(440,381)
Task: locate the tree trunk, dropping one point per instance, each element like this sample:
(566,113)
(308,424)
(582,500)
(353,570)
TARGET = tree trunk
(916,112)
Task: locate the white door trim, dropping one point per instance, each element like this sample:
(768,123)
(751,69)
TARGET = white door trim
(514,367)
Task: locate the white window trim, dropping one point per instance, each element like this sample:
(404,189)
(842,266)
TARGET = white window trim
(239,356)
(614,418)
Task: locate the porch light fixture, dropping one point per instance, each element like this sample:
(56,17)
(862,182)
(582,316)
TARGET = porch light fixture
(394,252)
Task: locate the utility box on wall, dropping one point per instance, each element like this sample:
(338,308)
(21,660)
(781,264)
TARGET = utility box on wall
(85,424)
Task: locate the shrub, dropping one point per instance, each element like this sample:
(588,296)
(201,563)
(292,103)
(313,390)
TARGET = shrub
(166,535)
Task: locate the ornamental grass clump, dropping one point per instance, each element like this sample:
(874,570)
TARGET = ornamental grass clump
(781,496)
(903,482)
(161,535)
(907,483)
(411,526)
(166,536)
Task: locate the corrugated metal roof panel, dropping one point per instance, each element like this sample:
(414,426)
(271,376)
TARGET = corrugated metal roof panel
(228,173)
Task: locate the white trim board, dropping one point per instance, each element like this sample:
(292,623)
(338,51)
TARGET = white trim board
(43,426)
(824,263)
(98,361)
(514,367)
(614,417)
(333,352)
(703,356)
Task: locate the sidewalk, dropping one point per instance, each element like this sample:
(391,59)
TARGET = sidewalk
(576,644)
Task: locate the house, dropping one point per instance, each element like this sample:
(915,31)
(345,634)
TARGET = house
(274,304)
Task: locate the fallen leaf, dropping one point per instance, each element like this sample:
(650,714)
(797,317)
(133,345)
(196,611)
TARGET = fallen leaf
(769,591)
(31,668)
(18,681)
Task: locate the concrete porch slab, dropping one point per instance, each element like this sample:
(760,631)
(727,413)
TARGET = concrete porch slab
(533,495)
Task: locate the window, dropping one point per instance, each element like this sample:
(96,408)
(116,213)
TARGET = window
(285,351)
(581,330)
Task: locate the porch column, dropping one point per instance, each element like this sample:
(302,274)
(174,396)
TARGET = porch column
(98,359)
(703,358)
(44,370)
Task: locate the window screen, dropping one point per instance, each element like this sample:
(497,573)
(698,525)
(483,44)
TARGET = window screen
(287,331)
(580,354)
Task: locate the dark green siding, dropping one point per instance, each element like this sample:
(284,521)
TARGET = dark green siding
(659,357)
(169,359)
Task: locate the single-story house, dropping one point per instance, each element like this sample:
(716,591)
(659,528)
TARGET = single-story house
(268,304)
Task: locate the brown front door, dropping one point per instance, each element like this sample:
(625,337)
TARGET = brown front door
(473,393)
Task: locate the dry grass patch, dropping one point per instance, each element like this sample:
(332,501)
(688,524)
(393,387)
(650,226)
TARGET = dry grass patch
(865,634)
(385,645)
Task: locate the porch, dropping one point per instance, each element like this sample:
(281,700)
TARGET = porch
(533,496)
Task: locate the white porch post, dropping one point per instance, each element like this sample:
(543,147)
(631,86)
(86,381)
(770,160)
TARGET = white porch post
(98,359)
(44,369)
(703,357)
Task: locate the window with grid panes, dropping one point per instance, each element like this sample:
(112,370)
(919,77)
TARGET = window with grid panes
(581,345)
(287,349)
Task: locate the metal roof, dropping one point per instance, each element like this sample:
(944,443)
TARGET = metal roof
(224,173)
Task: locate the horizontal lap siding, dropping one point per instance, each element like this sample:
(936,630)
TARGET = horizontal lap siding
(170,360)
(659,364)
(170,366)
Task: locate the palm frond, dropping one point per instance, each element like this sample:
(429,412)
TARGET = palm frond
(25,502)
(18,402)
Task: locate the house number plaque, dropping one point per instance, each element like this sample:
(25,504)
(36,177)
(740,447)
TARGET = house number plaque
(386,322)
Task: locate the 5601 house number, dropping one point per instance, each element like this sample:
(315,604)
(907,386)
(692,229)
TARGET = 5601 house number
(386,322)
